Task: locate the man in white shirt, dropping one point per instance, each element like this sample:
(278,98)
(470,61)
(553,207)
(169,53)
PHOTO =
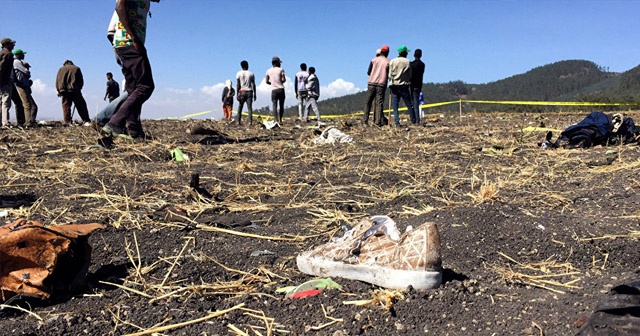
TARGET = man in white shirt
(246,91)
(276,78)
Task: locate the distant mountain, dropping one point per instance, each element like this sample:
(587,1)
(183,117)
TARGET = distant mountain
(571,80)
(543,83)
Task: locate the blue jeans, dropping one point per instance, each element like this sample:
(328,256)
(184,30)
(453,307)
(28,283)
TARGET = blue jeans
(415,100)
(103,117)
(398,91)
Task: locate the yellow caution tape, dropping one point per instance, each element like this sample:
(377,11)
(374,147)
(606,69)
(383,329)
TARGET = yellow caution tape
(503,102)
(195,114)
(546,103)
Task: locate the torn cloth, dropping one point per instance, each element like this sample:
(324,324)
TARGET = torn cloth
(333,135)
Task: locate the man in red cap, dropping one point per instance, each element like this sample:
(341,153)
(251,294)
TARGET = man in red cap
(376,86)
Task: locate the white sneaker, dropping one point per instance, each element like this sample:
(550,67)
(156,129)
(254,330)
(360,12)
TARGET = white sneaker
(369,253)
(86,124)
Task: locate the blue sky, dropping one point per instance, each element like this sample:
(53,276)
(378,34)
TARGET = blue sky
(195,45)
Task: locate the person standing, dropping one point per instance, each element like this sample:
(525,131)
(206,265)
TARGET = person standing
(129,43)
(300,87)
(69,83)
(113,89)
(417,77)
(313,89)
(276,78)
(376,86)
(399,83)
(6,78)
(23,84)
(103,117)
(246,84)
(227,99)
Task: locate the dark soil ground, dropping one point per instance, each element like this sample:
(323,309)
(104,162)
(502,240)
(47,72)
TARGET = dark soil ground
(531,238)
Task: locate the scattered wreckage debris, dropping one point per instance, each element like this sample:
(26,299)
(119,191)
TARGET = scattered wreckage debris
(310,288)
(41,261)
(197,192)
(17,201)
(616,314)
(595,129)
(375,252)
(332,135)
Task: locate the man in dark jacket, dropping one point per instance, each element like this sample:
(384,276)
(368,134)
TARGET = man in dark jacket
(417,77)
(69,83)
(113,89)
(6,77)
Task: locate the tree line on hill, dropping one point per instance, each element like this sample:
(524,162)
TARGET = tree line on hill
(571,80)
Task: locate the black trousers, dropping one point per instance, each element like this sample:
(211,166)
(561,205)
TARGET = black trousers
(139,84)
(74,97)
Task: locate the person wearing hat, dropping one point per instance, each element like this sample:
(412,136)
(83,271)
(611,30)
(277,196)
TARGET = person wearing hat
(69,83)
(6,77)
(276,78)
(400,84)
(376,86)
(129,43)
(23,87)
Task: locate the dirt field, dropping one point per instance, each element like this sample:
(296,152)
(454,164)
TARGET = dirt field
(531,238)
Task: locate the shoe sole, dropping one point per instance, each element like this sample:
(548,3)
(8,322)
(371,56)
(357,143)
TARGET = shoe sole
(378,275)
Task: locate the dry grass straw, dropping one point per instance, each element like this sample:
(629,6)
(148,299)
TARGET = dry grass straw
(332,320)
(544,274)
(487,192)
(4,306)
(246,284)
(215,314)
(270,326)
(382,298)
(633,234)
(138,284)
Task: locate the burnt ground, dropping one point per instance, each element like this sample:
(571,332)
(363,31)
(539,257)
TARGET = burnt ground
(531,238)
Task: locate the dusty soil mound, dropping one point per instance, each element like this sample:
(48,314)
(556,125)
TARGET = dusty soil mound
(532,238)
